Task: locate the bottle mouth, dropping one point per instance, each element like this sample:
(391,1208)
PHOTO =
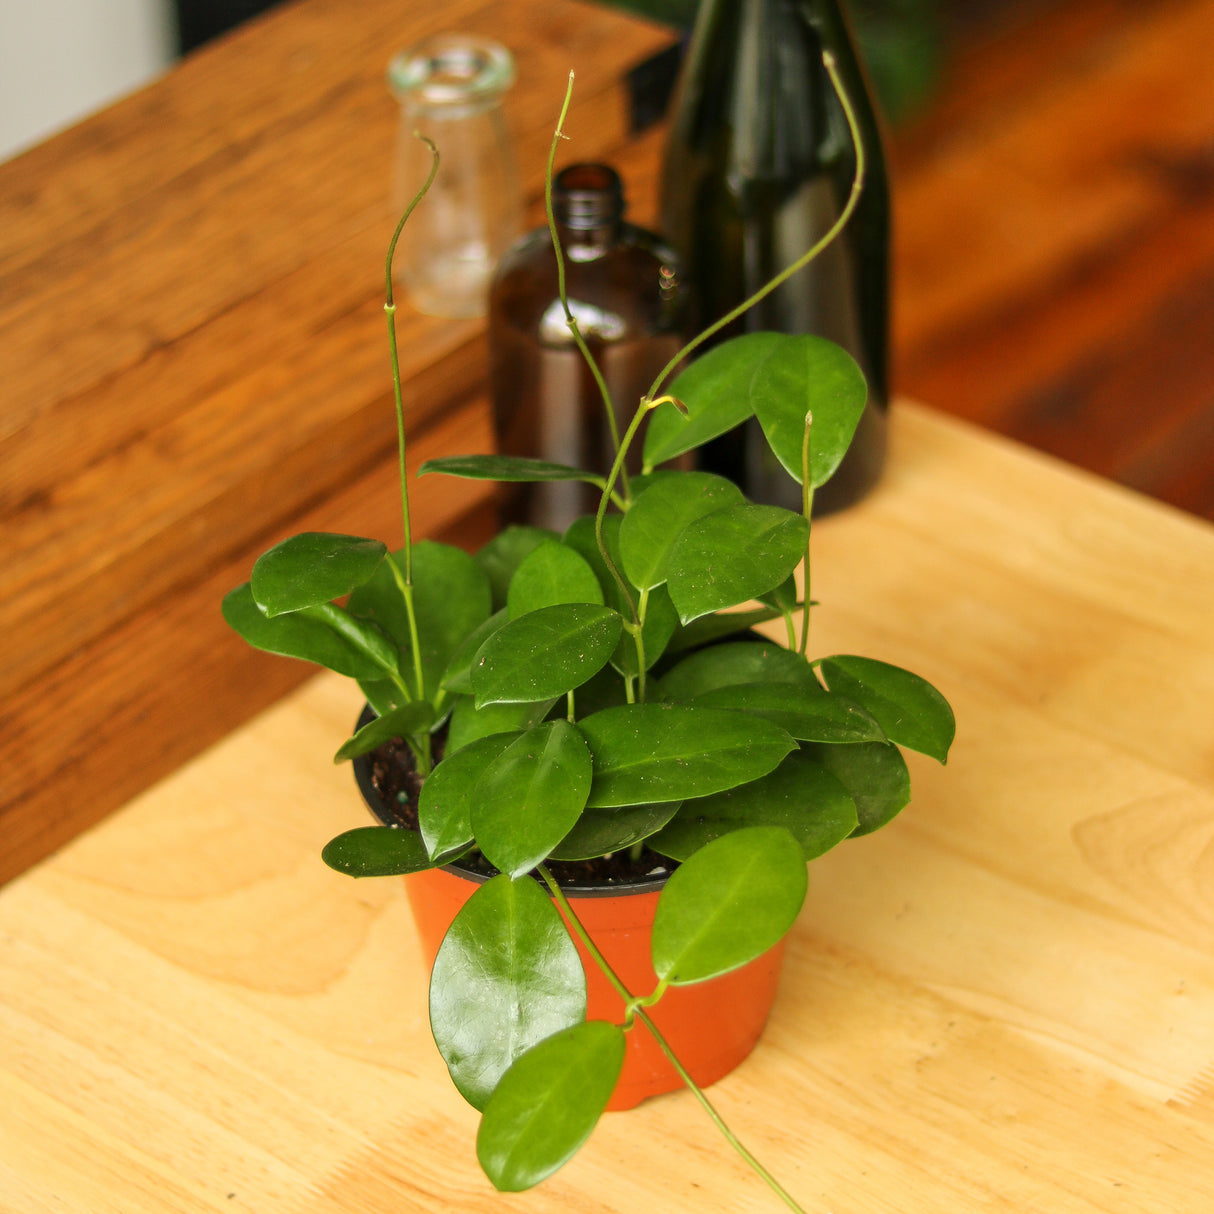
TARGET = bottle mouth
(587,195)
(451,70)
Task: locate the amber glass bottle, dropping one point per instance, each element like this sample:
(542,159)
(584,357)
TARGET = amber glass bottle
(758,166)
(623,287)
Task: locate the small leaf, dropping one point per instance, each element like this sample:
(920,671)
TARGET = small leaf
(733,555)
(377,851)
(503,554)
(412,718)
(296,636)
(728,904)
(800,795)
(806,711)
(709,629)
(662,752)
(444,809)
(876,776)
(599,832)
(313,568)
(529,797)
(716,389)
(551,574)
(507,975)
(783,596)
(911,711)
(733,663)
(807,374)
(545,653)
(468,723)
(512,468)
(649,530)
(548,1103)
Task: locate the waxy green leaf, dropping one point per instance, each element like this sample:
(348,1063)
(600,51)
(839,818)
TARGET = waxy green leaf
(444,809)
(910,710)
(548,1103)
(410,719)
(733,663)
(457,677)
(806,710)
(876,776)
(552,573)
(601,831)
(313,568)
(800,795)
(509,468)
(648,531)
(734,555)
(506,977)
(377,851)
(710,628)
(503,554)
(663,752)
(296,636)
(545,653)
(529,797)
(468,723)
(728,904)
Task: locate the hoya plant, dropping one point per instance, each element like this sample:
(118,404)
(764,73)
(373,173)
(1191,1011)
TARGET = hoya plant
(600,692)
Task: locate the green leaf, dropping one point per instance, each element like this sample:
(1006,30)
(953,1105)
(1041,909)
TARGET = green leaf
(413,718)
(876,776)
(783,596)
(733,663)
(733,555)
(444,809)
(598,832)
(529,797)
(377,851)
(468,723)
(362,634)
(806,711)
(551,574)
(663,752)
(661,621)
(649,530)
(513,468)
(503,554)
(506,977)
(296,636)
(728,904)
(545,653)
(313,568)
(807,374)
(451,598)
(709,629)
(911,711)
(716,390)
(800,795)
(548,1103)
(457,677)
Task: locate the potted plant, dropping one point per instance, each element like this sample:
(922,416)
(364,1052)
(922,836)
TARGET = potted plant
(595,706)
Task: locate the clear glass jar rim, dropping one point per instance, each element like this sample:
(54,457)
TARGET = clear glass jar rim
(451,69)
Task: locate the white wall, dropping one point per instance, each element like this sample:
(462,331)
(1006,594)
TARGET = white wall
(63,59)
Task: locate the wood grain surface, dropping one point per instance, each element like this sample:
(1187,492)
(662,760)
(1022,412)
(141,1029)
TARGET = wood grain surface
(1003,1001)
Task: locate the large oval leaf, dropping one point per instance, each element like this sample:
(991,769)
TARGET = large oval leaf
(806,374)
(732,663)
(876,776)
(511,468)
(800,795)
(709,629)
(548,1103)
(716,390)
(545,653)
(468,723)
(649,529)
(377,851)
(728,904)
(315,567)
(458,675)
(503,554)
(529,797)
(444,809)
(296,636)
(807,711)
(451,598)
(507,975)
(734,555)
(666,752)
(910,710)
(599,832)
(550,574)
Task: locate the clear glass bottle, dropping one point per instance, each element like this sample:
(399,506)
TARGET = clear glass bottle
(450,90)
(758,166)
(624,288)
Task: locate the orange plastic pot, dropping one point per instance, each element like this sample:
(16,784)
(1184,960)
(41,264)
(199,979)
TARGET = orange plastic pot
(711,1026)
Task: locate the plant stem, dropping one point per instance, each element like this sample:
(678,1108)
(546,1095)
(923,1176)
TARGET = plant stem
(807,508)
(828,61)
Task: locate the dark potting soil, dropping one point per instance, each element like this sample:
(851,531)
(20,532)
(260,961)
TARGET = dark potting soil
(394,777)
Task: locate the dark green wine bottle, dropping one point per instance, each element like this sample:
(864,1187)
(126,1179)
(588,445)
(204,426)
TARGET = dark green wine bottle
(758,166)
